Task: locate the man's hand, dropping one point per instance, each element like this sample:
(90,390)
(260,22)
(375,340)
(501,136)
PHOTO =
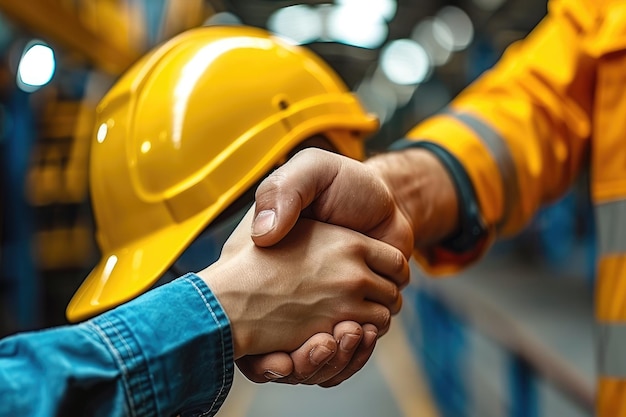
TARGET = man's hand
(277,297)
(350,347)
(404,198)
(330,188)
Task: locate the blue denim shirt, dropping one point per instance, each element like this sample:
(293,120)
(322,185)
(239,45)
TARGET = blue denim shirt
(167,352)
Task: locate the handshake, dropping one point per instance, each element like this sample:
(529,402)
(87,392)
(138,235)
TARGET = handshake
(308,296)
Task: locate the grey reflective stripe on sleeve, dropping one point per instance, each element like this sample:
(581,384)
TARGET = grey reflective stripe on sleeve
(500,152)
(612,350)
(611,225)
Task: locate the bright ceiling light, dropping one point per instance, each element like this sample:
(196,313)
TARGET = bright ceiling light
(378,99)
(36,67)
(459,25)
(299,23)
(443,34)
(355,25)
(405,62)
(384,8)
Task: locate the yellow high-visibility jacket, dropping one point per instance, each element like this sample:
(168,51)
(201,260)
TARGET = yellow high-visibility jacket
(553,106)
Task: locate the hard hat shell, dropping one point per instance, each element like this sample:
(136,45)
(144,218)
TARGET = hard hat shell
(188,129)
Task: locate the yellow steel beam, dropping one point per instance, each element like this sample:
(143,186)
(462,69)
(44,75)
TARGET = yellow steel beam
(55,24)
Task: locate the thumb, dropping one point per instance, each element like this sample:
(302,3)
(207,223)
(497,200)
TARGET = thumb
(282,196)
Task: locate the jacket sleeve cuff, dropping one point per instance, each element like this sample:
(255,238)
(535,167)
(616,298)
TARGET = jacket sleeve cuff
(472,238)
(174,348)
(464,144)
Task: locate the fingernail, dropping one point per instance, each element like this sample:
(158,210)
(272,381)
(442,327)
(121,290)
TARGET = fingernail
(369,338)
(319,355)
(349,341)
(263,223)
(271,375)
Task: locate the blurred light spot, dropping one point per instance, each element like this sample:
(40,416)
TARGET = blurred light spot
(384,8)
(405,62)
(36,67)
(223,18)
(428,33)
(102,132)
(459,24)
(299,23)
(378,99)
(443,34)
(356,25)
(489,5)
(146,146)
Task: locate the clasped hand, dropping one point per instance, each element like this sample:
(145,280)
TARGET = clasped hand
(334,189)
(321,280)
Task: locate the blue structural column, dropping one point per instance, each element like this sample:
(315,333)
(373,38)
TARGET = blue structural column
(154,15)
(17,265)
(523,389)
(442,347)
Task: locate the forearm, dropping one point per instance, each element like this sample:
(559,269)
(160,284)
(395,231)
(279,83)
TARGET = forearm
(423,190)
(161,353)
(522,129)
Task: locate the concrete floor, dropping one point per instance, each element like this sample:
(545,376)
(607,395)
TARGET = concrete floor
(390,385)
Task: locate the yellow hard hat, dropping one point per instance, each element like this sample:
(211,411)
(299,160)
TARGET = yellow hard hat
(186,131)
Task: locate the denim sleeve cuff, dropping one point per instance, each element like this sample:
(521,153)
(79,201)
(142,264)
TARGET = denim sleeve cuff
(174,349)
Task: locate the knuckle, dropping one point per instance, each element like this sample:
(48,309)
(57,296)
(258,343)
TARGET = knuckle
(272,185)
(351,243)
(400,268)
(395,292)
(398,261)
(396,297)
(308,153)
(384,319)
(355,283)
(397,305)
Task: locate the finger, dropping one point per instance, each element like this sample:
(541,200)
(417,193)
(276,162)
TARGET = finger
(381,291)
(374,313)
(348,335)
(359,358)
(388,261)
(311,357)
(266,368)
(377,289)
(287,191)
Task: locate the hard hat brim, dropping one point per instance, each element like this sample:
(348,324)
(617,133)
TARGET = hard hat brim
(126,272)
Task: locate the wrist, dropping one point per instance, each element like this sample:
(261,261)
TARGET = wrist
(217,279)
(423,191)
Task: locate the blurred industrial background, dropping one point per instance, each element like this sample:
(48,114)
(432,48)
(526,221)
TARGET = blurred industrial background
(512,337)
